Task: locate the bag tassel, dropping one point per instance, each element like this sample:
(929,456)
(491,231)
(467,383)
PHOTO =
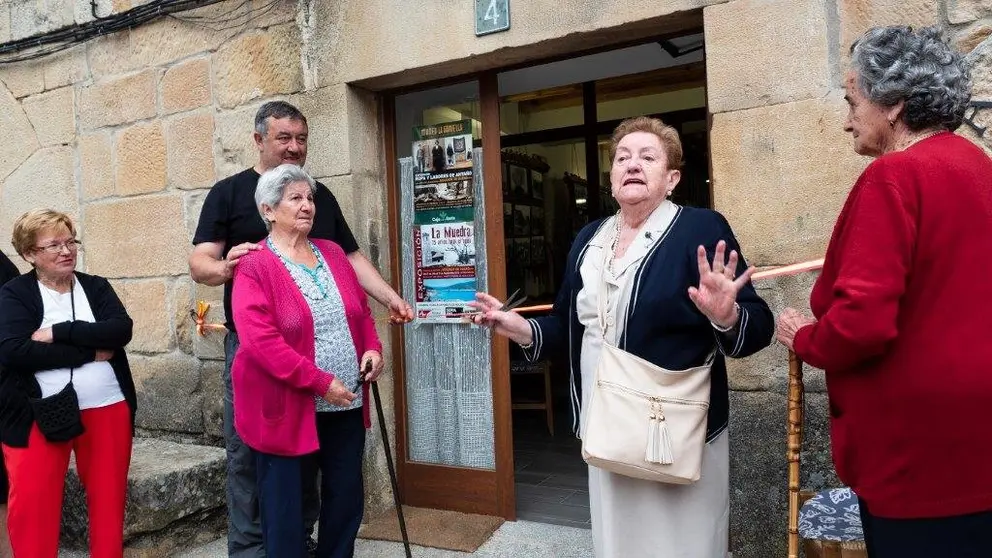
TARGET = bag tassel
(659,448)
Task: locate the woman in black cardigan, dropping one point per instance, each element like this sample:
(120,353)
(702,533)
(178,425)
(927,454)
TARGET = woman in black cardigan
(62,330)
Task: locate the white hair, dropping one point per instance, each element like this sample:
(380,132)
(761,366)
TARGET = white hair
(272,184)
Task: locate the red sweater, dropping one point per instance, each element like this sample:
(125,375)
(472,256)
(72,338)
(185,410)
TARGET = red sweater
(904,332)
(274,374)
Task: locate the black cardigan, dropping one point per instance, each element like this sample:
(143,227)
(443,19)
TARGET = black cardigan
(7,269)
(75,344)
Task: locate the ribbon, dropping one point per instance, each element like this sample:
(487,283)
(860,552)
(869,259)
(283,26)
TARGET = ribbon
(199,315)
(782,271)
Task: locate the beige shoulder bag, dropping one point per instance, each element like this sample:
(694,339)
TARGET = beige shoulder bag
(642,420)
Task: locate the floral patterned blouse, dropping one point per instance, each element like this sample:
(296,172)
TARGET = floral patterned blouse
(334,346)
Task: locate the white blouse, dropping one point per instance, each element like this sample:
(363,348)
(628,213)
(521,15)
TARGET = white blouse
(94,382)
(618,286)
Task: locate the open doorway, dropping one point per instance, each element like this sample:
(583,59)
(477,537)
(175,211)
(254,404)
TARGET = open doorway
(556,120)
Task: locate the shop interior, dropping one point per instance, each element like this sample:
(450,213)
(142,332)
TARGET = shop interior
(556,120)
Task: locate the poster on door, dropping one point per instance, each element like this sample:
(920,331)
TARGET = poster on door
(445,277)
(442,160)
(444,221)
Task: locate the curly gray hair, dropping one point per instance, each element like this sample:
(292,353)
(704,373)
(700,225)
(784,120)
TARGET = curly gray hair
(272,185)
(896,63)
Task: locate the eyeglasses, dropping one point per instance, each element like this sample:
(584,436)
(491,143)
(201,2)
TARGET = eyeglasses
(70,245)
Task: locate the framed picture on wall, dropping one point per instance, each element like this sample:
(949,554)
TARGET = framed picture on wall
(522,249)
(536,220)
(507,219)
(521,220)
(519,182)
(506,180)
(537,185)
(537,252)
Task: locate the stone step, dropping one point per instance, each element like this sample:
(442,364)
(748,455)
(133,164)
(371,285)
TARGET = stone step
(176,499)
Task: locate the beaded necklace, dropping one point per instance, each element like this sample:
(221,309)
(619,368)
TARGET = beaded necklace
(314,274)
(615,243)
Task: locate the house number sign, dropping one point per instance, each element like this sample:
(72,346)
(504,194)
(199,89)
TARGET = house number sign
(491,16)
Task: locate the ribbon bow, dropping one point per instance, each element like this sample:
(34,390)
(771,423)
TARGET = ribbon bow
(199,316)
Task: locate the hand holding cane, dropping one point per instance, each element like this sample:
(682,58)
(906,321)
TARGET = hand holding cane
(366,370)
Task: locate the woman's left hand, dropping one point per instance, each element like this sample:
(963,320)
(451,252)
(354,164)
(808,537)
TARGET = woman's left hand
(43,335)
(716,295)
(377,365)
(790,321)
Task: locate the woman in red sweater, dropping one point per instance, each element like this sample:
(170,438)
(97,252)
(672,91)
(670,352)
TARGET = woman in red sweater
(307,335)
(903,304)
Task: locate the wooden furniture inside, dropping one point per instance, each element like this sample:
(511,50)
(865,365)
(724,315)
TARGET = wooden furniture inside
(535,369)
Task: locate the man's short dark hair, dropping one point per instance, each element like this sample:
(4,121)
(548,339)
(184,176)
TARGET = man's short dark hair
(277,110)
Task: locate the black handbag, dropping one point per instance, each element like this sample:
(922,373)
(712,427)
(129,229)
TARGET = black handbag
(58,416)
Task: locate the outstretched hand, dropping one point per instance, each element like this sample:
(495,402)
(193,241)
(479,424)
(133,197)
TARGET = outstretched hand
(716,295)
(489,313)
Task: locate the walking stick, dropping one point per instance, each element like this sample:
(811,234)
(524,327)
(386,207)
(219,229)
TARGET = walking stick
(794,448)
(389,459)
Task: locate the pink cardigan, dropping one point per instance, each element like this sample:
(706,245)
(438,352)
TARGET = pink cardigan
(274,375)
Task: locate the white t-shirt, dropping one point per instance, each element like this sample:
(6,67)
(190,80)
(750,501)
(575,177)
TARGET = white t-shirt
(95,382)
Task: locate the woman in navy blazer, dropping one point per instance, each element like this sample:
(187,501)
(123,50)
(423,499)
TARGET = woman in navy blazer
(649,268)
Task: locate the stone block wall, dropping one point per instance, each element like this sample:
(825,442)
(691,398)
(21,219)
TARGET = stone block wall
(127,132)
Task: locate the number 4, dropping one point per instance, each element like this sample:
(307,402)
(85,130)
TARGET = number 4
(492,13)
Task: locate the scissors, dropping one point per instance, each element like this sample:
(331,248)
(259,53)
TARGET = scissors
(511,303)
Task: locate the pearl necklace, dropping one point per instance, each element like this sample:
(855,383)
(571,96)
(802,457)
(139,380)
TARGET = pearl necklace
(616,241)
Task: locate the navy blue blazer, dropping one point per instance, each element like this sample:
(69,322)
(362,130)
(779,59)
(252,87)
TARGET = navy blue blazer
(662,325)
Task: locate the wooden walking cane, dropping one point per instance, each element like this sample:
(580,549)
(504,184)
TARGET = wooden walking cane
(389,459)
(795,444)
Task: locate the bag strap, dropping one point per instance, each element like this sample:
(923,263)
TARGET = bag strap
(72,303)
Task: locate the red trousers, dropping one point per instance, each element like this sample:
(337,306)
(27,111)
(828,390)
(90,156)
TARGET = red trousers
(37,482)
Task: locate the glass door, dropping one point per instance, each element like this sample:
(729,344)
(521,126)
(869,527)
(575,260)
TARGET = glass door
(447,423)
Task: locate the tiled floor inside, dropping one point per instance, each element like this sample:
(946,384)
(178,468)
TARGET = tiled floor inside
(551,478)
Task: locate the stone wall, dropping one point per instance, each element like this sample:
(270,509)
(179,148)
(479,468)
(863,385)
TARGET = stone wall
(128,131)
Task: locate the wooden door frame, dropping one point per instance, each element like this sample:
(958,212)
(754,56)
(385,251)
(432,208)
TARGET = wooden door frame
(489,492)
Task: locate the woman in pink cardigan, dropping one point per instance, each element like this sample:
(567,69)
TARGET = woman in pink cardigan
(306,334)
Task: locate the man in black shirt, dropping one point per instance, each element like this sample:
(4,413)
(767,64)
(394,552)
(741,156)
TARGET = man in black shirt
(230,227)
(7,272)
